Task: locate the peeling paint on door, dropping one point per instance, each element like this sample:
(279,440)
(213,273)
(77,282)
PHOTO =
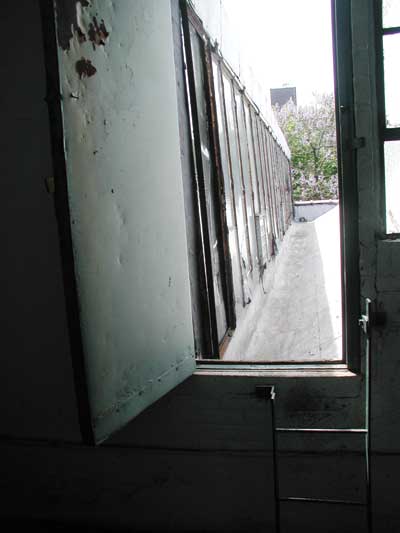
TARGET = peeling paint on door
(85,68)
(121,135)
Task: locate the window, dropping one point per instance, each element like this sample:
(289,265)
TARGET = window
(388,17)
(245,179)
(120,201)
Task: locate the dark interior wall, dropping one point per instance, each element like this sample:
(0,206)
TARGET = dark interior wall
(36,386)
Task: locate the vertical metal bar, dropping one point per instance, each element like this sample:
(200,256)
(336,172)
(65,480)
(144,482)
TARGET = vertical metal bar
(368,368)
(246,225)
(228,145)
(200,183)
(251,124)
(250,170)
(263,184)
(201,325)
(276,469)
(219,193)
(270,149)
(269,188)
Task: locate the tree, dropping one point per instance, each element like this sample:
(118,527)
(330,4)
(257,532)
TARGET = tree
(311,135)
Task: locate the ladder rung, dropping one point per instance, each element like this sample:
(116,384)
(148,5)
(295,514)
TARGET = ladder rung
(317,500)
(320,430)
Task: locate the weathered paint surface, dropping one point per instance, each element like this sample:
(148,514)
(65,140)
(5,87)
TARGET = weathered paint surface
(211,434)
(126,201)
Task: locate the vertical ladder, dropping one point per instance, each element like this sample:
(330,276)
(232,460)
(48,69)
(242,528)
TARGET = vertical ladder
(364,322)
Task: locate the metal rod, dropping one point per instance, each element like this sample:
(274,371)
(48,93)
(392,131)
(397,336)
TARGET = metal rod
(208,266)
(321,430)
(319,500)
(368,420)
(276,472)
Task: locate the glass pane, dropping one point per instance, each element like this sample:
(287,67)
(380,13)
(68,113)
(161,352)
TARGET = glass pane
(391,53)
(210,187)
(392,183)
(253,170)
(229,203)
(391,13)
(247,185)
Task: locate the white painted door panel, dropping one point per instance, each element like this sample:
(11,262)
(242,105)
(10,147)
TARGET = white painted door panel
(122,152)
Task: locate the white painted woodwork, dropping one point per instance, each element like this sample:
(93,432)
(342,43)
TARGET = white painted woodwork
(126,203)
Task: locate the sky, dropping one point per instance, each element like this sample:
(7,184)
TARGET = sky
(289,41)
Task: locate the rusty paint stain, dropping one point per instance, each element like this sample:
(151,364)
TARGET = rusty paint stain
(85,68)
(67,23)
(97,33)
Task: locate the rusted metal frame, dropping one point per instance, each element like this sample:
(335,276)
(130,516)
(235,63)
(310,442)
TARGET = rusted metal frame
(283,195)
(267,214)
(246,218)
(208,277)
(289,190)
(283,191)
(271,208)
(201,324)
(275,182)
(62,212)
(231,181)
(271,163)
(279,190)
(275,185)
(219,193)
(256,168)
(251,134)
(268,181)
(244,98)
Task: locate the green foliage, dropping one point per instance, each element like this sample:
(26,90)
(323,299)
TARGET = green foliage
(311,135)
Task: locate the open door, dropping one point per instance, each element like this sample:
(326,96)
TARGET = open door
(119,201)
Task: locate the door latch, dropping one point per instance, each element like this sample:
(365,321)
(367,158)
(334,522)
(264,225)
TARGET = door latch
(371,318)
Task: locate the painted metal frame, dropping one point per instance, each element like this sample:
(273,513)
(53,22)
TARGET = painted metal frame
(190,18)
(386,134)
(348,185)
(348,188)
